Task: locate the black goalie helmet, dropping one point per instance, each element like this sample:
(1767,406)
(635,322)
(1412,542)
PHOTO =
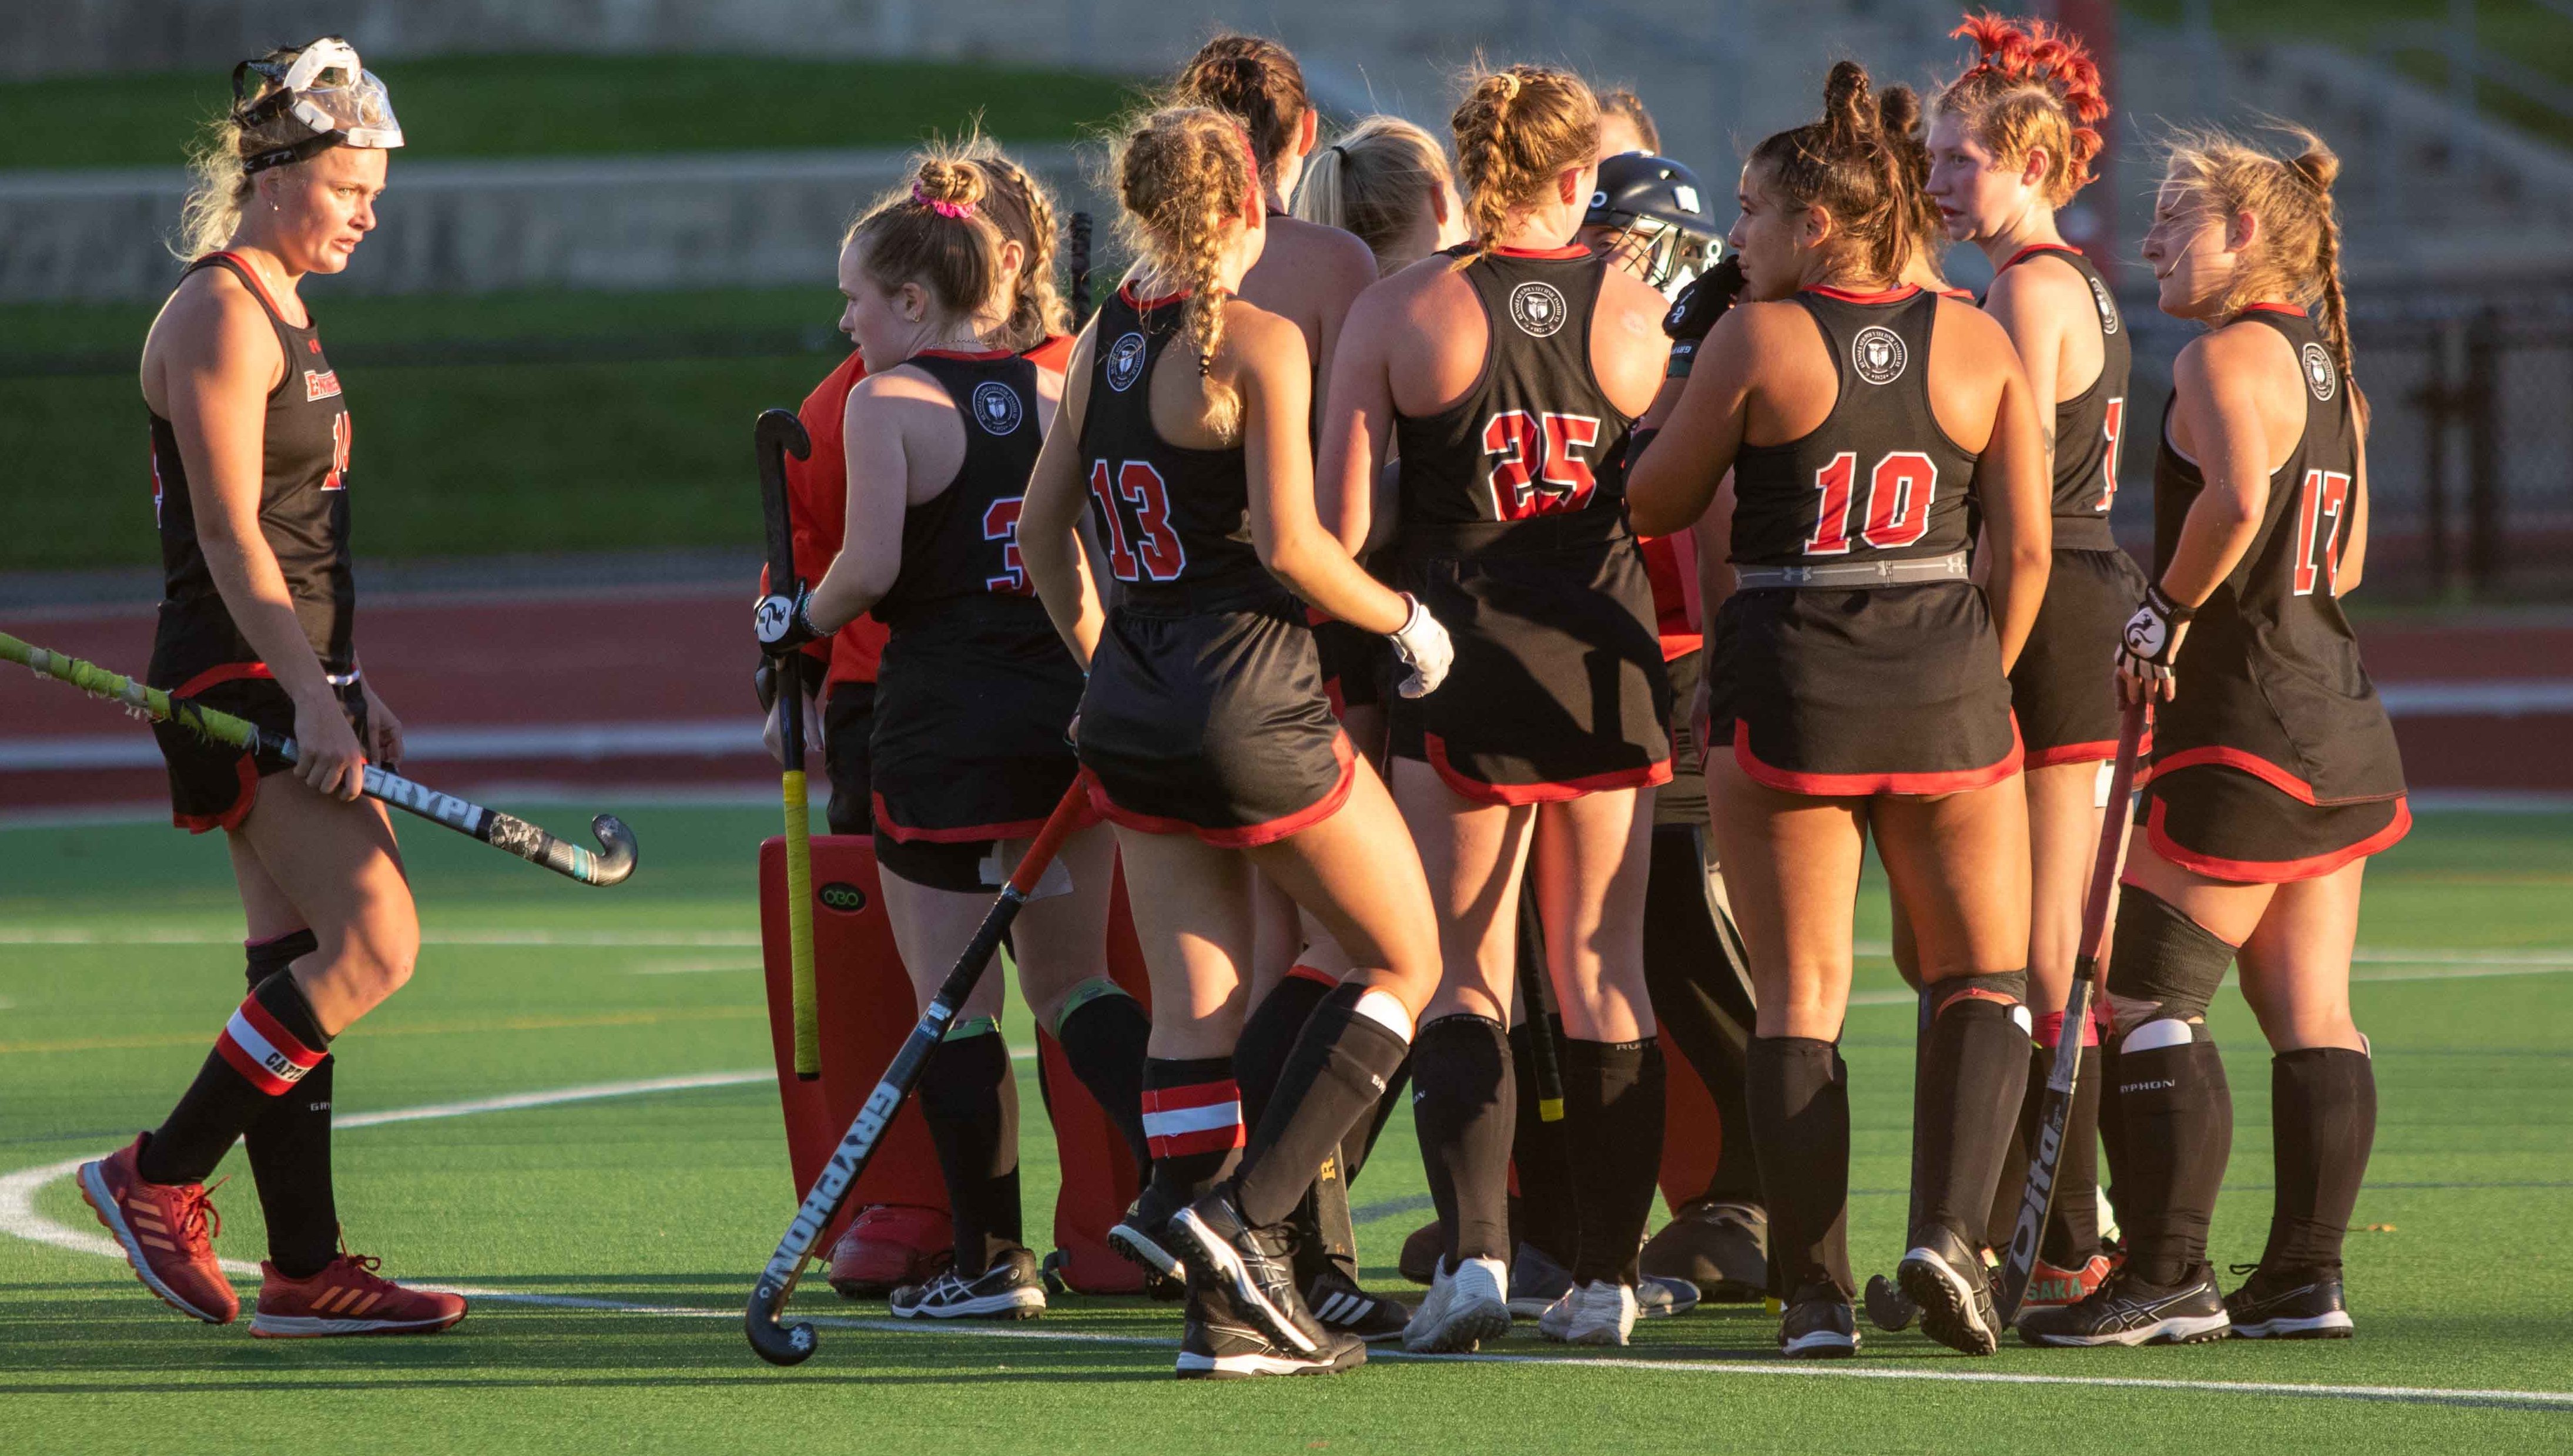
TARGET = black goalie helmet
(1659,211)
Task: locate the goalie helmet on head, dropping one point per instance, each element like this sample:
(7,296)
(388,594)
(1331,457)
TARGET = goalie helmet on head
(321,90)
(1651,212)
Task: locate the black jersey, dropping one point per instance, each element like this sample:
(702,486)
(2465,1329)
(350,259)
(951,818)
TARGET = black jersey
(1535,436)
(2269,676)
(964,541)
(2088,426)
(1177,519)
(303,515)
(1877,479)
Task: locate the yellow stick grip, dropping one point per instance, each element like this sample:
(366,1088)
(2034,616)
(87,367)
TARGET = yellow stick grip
(799,924)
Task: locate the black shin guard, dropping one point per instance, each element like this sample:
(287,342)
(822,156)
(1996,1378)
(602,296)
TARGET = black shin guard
(1464,1108)
(1192,1120)
(2322,1116)
(1105,1038)
(1339,1068)
(1549,1217)
(1268,1037)
(289,1144)
(2179,1133)
(970,1103)
(1798,1094)
(1612,1122)
(274,1032)
(1974,1070)
(2073,1225)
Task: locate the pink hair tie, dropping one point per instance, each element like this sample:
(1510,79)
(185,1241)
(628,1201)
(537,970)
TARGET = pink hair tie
(943,208)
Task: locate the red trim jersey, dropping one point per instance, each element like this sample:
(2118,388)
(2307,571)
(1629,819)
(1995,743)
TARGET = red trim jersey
(2090,425)
(2270,677)
(303,515)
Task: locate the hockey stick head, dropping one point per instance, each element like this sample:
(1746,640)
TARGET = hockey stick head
(781,429)
(777,1344)
(616,850)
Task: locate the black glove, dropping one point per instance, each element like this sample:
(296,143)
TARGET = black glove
(763,682)
(783,623)
(2151,642)
(1707,298)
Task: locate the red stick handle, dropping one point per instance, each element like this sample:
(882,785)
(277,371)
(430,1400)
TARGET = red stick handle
(2114,835)
(1059,825)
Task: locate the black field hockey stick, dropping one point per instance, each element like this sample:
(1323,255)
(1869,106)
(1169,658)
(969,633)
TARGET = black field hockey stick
(780,1345)
(1536,1005)
(610,864)
(1077,260)
(2019,1261)
(778,434)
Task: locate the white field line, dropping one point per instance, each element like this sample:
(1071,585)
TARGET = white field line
(19,1219)
(72,934)
(552,742)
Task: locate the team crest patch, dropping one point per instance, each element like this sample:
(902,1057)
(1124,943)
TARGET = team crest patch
(320,385)
(997,407)
(1538,309)
(1878,354)
(1125,362)
(2320,376)
(2108,319)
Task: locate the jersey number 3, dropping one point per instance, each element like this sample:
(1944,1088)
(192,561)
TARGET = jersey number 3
(1001,523)
(1538,474)
(1142,544)
(1899,491)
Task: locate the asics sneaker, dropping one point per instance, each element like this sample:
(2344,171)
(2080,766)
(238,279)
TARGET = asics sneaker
(2288,1304)
(1012,1289)
(1818,1324)
(2128,1311)
(1945,1276)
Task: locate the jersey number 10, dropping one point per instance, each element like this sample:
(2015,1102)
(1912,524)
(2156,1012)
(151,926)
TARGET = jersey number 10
(1899,491)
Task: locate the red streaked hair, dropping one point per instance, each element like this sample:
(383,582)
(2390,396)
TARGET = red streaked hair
(2033,87)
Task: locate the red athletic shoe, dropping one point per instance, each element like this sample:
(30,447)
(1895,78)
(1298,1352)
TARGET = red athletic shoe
(348,1298)
(166,1231)
(2048,1285)
(889,1246)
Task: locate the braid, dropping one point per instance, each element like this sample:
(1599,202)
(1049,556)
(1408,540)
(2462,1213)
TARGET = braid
(2297,252)
(1024,210)
(1516,130)
(1183,175)
(1257,82)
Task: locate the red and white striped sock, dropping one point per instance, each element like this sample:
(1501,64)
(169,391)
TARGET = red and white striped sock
(1192,1121)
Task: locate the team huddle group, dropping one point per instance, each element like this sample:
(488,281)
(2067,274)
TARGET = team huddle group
(1484,617)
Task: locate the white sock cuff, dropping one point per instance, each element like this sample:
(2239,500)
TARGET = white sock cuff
(2153,1036)
(1388,1010)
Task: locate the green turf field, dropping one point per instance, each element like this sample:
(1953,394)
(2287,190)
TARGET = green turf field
(562,105)
(116,967)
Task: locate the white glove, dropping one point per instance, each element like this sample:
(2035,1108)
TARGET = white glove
(1424,649)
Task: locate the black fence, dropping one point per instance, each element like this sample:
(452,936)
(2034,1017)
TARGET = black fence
(2469,444)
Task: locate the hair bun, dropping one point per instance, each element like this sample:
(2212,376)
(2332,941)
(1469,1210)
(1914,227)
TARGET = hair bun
(950,179)
(2318,164)
(1845,100)
(1898,110)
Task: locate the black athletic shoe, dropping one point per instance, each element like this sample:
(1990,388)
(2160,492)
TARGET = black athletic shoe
(1888,1307)
(1819,1325)
(1721,1247)
(2288,1304)
(1143,1236)
(1012,1288)
(1211,1237)
(2128,1311)
(1339,1304)
(1220,1344)
(1944,1275)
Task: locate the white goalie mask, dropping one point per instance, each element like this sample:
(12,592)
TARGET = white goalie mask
(326,91)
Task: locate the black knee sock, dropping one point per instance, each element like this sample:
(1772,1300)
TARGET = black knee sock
(2179,1131)
(2322,1118)
(2073,1232)
(1105,1038)
(290,1144)
(970,1103)
(1798,1094)
(1550,1217)
(1331,1080)
(1464,1106)
(2112,1131)
(1192,1120)
(2012,1184)
(1268,1037)
(268,1048)
(1613,1122)
(1974,1068)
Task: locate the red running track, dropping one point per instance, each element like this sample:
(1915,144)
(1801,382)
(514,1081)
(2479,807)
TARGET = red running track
(650,661)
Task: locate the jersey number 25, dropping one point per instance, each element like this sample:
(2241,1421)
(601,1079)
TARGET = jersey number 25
(1538,474)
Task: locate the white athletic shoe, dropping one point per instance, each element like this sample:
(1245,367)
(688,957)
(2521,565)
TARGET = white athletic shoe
(1468,1304)
(1596,1313)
